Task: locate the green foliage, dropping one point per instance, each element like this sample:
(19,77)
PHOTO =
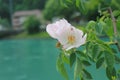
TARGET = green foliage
(4,9)
(86,63)
(96,50)
(61,68)
(5,23)
(72,59)
(87,74)
(26,5)
(109,57)
(18,5)
(59,9)
(78,69)
(32,24)
(80,4)
(99,62)
(111,73)
(25,35)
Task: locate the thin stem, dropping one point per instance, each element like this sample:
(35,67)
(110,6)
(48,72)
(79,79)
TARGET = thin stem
(111,43)
(114,26)
(113,21)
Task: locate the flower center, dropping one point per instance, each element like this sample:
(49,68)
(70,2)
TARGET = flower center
(71,39)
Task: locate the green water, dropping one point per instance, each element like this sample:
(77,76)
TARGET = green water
(33,59)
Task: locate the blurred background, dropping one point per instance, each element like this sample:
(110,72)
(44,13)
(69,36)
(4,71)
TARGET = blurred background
(26,50)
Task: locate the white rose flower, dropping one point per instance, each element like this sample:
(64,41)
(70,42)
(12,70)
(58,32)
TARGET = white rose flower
(66,34)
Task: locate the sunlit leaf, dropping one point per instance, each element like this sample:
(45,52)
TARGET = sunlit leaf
(80,4)
(108,28)
(78,68)
(91,25)
(65,58)
(99,28)
(116,13)
(63,3)
(118,25)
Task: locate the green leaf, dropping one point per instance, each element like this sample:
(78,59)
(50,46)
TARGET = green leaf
(81,55)
(100,54)
(114,50)
(116,13)
(86,63)
(63,3)
(80,4)
(65,58)
(108,27)
(95,51)
(110,73)
(91,25)
(100,62)
(117,59)
(99,28)
(78,68)
(105,46)
(72,59)
(107,2)
(61,68)
(87,74)
(69,1)
(110,60)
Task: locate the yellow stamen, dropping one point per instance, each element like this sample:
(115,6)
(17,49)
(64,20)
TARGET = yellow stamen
(71,39)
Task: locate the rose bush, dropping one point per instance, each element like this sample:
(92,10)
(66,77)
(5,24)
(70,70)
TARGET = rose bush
(101,39)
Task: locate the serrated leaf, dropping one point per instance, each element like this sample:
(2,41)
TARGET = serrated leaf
(86,63)
(110,72)
(110,60)
(108,27)
(87,74)
(95,51)
(100,54)
(100,62)
(99,28)
(61,68)
(72,59)
(117,59)
(81,55)
(78,68)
